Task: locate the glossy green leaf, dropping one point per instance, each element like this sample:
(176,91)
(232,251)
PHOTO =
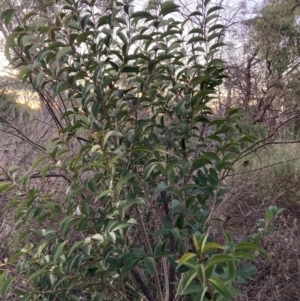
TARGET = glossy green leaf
(184,258)
(37,274)
(62,52)
(7,15)
(188,278)
(196,39)
(201,274)
(149,263)
(6,285)
(148,169)
(220,288)
(25,73)
(83,37)
(45,170)
(129,203)
(202,241)
(2,278)
(245,256)
(58,252)
(111,134)
(216,45)
(168,7)
(216,259)
(4,186)
(28,296)
(130,264)
(142,15)
(214,8)
(130,69)
(210,247)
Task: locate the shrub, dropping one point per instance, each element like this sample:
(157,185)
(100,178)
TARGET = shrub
(142,158)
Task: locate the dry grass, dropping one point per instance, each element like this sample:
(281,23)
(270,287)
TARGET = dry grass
(251,194)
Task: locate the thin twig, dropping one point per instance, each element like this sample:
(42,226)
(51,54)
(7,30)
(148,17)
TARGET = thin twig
(264,167)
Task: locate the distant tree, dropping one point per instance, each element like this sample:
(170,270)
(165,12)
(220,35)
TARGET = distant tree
(267,78)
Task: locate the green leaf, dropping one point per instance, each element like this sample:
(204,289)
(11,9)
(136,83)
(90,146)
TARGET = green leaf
(161,150)
(84,21)
(119,226)
(112,237)
(128,203)
(201,274)
(2,278)
(184,258)
(202,241)
(6,286)
(28,296)
(45,170)
(92,185)
(215,46)
(149,263)
(37,274)
(195,13)
(28,15)
(4,186)
(196,39)
(7,15)
(130,264)
(244,255)
(196,30)
(248,246)
(62,52)
(75,246)
(114,65)
(141,37)
(148,169)
(74,25)
(130,69)
(216,259)
(215,27)
(250,269)
(98,237)
(10,43)
(210,18)
(161,187)
(179,223)
(24,73)
(111,134)
(58,252)
(142,149)
(95,109)
(220,288)
(124,180)
(222,192)
(211,246)
(142,15)
(231,269)
(83,37)
(192,288)
(168,7)
(214,8)
(14,258)
(122,37)
(188,278)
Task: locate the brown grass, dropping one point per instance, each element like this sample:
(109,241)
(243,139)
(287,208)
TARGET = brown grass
(252,193)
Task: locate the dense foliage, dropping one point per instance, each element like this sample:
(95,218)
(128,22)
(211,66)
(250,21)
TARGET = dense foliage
(143,156)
